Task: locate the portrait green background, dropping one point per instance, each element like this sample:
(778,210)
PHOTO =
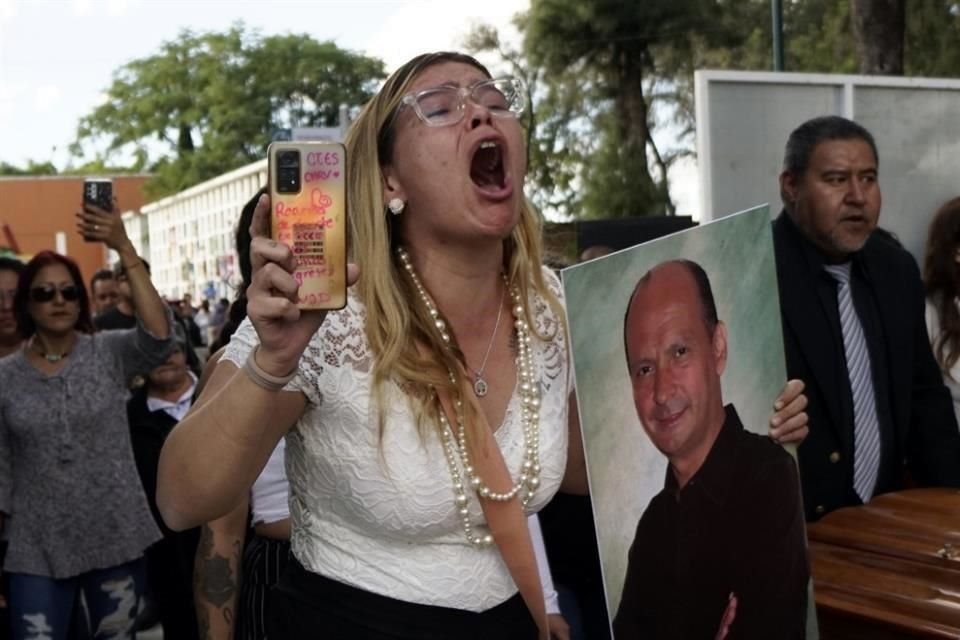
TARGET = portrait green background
(624,468)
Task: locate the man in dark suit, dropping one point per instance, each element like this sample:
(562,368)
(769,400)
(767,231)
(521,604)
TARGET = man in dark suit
(852,308)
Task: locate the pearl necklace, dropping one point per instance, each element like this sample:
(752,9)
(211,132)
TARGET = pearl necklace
(455,443)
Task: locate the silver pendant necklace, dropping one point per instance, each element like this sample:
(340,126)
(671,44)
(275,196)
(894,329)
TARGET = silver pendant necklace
(480,386)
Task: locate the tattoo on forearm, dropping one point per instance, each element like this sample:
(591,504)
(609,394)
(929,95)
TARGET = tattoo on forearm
(220,584)
(214,583)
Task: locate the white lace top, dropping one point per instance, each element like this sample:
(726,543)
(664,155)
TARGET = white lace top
(381,516)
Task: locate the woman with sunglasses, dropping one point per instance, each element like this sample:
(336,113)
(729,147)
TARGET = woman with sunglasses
(71,503)
(425,419)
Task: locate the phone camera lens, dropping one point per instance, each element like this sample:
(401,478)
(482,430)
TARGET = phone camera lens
(290,158)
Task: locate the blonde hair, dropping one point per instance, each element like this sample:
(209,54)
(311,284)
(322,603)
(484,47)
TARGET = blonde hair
(395,322)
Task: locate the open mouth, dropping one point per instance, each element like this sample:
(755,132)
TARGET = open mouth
(486,168)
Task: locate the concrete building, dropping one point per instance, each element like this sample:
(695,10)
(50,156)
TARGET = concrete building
(189,237)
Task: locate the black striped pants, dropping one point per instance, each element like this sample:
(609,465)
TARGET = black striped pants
(264,560)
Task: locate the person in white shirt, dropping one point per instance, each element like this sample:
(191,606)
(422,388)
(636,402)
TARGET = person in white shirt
(202,318)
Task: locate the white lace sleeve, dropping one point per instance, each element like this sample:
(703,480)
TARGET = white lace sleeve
(245,339)
(242,342)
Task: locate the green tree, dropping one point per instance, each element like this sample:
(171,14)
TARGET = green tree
(605,74)
(599,79)
(32,168)
(820,36)
(932,34)
(206,103)
(605,46)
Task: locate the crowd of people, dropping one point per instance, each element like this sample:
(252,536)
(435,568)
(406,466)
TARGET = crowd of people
(346,474)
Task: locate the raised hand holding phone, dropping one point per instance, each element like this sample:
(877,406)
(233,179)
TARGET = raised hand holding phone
(309,215)
(284,328)
(97,223)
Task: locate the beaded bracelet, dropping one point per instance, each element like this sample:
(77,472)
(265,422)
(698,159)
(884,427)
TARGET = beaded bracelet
(263,379)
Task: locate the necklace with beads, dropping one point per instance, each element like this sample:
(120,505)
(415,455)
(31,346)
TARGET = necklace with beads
(464,475)
(52,358)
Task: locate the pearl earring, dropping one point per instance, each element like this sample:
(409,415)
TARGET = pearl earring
(396,206)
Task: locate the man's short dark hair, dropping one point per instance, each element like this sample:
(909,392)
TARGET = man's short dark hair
(101,274)
(803,139)
(11,264)
(708,305)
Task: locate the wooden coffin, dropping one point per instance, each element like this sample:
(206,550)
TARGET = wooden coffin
(889,569)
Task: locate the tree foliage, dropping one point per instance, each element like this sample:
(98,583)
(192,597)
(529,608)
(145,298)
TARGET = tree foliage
(605,49)
(606,74)
(602,68)
(207,103)
(932,35)
(32,168)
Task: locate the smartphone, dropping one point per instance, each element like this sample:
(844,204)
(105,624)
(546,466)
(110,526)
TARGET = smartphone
(308,200)
(98,192)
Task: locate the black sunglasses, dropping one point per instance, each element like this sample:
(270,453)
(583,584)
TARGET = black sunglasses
(47,292)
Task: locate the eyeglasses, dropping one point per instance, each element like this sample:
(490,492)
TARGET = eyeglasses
(441,106)
(47,292)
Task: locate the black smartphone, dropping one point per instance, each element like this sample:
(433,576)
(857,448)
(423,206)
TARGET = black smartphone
(98,192)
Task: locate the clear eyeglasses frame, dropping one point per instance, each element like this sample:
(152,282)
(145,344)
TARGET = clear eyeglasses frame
(503,97)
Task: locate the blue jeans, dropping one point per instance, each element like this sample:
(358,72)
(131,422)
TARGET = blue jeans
(41,607)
